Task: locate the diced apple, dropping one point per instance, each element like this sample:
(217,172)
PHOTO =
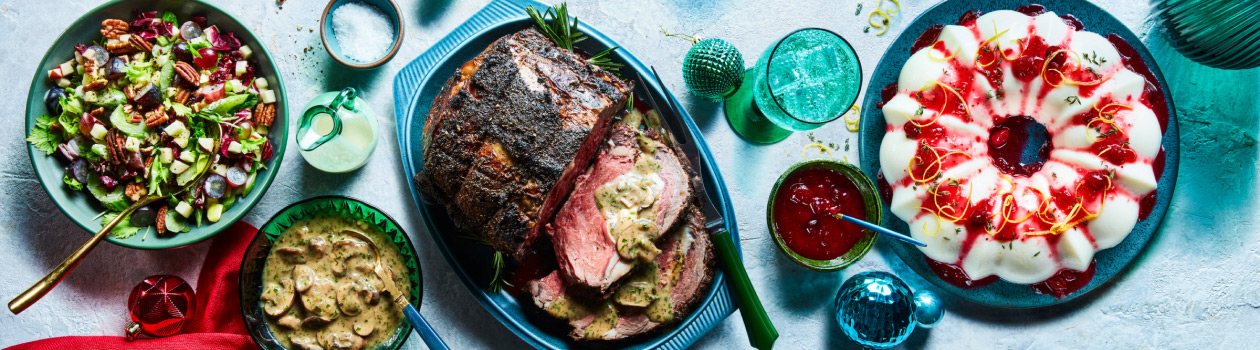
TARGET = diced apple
(132,144)
(206,143)
(220,169)
(98,131)
(184,209)
(234,147)
(267,96)
(166,155)
(235,86)
(241,67)
(205,78)
(182,141)
(63,82)
(176,129)
(187,156)
(178,167)
(246,52)
(214,212)
(261,83)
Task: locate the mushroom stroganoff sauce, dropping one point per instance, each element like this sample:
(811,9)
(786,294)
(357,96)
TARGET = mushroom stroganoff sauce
(320,291)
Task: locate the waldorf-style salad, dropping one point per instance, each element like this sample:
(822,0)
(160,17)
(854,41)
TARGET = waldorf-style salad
(134,114)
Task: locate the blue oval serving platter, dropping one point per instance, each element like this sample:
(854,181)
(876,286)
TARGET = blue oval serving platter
(414,88)
(1109,263)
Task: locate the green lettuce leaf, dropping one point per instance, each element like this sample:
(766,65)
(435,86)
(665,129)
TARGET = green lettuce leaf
(42,137)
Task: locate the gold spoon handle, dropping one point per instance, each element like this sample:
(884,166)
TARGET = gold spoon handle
(46,284)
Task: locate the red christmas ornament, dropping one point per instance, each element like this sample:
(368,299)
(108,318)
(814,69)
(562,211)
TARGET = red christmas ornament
(159,305)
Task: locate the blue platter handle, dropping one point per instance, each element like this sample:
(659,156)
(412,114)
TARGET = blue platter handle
(431,339)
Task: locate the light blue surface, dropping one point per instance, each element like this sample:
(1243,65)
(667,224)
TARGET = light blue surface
(414,89)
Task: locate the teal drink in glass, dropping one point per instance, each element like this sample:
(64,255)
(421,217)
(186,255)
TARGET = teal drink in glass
(806,79)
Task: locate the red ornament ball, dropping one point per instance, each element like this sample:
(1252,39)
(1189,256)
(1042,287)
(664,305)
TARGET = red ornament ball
(159,305)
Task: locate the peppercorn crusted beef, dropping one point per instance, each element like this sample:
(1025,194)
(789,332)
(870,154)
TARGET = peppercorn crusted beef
(509,133)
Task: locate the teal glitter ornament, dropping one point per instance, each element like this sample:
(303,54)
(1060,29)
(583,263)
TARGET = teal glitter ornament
(713,69)
(878,310)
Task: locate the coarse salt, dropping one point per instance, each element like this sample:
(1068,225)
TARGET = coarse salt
(362,31)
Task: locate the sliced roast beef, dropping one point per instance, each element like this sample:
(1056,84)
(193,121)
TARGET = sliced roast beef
(671,286)
(510,131)
(635,189)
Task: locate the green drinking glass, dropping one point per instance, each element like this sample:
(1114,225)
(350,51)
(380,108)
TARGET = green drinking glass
(806,79)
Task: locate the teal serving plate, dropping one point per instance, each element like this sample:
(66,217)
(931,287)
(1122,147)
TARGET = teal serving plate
(80,206)
(251,282)
(1109,263)
(414,88)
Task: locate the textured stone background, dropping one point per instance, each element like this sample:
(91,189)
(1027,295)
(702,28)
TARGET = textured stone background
(1196,285)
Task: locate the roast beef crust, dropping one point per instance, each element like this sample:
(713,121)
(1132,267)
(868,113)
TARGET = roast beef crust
(496,145)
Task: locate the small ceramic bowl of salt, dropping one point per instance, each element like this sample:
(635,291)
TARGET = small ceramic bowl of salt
(362,34)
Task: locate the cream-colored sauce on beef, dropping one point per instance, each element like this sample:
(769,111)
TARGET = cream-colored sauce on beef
(322,290)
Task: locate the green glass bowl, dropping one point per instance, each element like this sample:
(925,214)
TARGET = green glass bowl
(251,281)
(870,197)
(80,206)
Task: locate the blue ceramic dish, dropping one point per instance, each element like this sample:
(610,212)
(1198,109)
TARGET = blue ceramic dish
(414,88)
(387,8)
(1110,262)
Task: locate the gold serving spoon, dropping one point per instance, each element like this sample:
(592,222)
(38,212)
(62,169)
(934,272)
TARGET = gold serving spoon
(422,327)
(46,284)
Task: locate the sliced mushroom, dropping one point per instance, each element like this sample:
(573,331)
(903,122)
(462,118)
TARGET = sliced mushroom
(319,246)
(320,299)
(347,251)
(343,340)
(292,255)
(305,343)
(367,286)
(303,277)
(364,326)
(315,322)
(348,299)
(277,297)
(289,321)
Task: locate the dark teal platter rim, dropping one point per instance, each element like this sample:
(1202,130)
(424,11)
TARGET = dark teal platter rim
(414,88)
(1109,263)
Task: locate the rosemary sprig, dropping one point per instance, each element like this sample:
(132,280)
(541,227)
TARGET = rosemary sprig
(557,25)
(601,60)
(500,274)
(630,102)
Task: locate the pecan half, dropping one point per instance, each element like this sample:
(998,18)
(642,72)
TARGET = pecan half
(112,28)
(187,73)
(118,46)
(135,118)
(156,117)
(182,96)
(98,112)
(265,114)
(129,92)
(161,220)
(140,43)
(114,146)
(136,191)
(96,85)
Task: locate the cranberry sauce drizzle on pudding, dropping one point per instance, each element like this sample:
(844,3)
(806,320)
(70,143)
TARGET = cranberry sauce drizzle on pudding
(319,289)
(1018,145)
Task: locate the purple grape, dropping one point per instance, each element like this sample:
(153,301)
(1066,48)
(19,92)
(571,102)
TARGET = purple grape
(148,96)
(182,53)
(115,68)
(216,186)
(237,176)
(81,170)
(143,217)
(190,30)
(52,100)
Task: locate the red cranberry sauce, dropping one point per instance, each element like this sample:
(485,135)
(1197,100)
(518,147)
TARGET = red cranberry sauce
(1064,283)
(1007,142)
(804,213)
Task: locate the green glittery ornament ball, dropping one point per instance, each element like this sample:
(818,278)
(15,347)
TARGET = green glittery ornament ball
(713,69)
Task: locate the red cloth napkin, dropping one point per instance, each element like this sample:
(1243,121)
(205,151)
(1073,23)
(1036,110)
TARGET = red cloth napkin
(216,325)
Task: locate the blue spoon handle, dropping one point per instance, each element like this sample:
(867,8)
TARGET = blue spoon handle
(882,230)
(422,327)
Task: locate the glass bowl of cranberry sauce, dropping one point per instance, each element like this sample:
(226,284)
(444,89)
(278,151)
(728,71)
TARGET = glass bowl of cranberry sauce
(803,214)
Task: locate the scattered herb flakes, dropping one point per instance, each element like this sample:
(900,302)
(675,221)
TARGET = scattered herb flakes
(867,29)
(859,10)
(1073,100)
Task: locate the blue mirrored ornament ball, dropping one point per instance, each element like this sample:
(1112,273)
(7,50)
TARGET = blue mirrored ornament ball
(878,310)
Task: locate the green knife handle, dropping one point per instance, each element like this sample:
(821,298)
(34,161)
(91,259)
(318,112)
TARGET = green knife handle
(761,333)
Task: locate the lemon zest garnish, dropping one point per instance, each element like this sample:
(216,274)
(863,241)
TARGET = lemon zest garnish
(853,124)
(961,100)
(1012,58)
(881,6)
(882,25)
(1076,62)
(938,223)
(985,44)
(821,150)
(946,48)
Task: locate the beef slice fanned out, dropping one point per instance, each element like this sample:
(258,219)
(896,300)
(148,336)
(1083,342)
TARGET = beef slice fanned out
(657,294)
(508,134)
(636,188)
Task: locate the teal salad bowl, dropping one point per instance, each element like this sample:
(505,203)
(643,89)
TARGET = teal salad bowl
(80,206)
(251,273)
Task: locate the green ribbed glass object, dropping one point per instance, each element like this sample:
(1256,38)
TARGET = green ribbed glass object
(713,69)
